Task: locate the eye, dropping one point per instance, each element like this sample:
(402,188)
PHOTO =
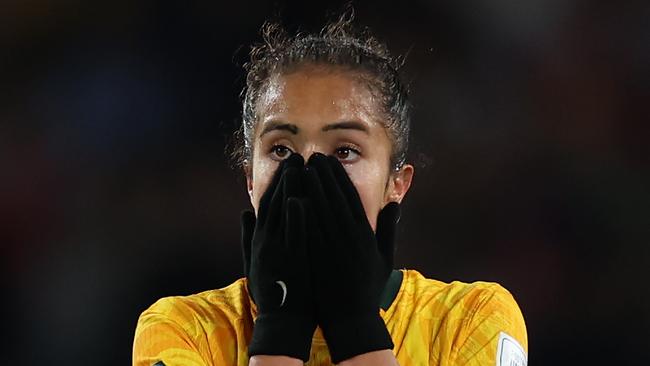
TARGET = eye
(280,152)
(347,154)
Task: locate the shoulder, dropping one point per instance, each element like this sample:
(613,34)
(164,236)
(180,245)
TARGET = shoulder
(471,296)
(193,313)
(200,329)
(480,307)
(454,293)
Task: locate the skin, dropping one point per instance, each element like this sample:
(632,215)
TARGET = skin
(326,110)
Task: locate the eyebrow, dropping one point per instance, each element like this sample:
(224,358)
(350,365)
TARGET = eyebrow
(349,125)
(279,126)
(293,129)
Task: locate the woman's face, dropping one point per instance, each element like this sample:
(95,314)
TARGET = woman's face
(330,112)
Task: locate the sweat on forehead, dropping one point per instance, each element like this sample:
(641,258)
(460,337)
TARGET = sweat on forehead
(311,93)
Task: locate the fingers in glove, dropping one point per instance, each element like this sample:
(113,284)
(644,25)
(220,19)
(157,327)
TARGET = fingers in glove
(323,225)
(348,188)
(247,230)
(331,190)
(276,208)
(296,229)
(386,230)
(317,196)
(295,160)
(263,207)
(291,189)
(292,182)
(274,217)
(309,222)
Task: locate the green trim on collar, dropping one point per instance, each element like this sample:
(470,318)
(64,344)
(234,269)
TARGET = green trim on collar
(392,288)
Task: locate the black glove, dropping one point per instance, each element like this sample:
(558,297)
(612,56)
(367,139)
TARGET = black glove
(278,270)
(350,263)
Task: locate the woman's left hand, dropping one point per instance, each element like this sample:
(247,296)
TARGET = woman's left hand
(350,264)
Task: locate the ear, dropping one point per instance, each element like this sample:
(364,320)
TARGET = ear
(399,183)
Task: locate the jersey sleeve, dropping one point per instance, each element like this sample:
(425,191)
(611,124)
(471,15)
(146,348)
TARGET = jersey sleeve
(494,332)
(160,338)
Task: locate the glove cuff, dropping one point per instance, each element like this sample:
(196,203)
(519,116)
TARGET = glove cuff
(347,338)
(280,335)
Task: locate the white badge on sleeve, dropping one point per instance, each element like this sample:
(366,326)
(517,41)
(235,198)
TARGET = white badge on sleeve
(510,352)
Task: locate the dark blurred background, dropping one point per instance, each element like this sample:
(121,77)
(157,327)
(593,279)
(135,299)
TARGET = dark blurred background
(529,134)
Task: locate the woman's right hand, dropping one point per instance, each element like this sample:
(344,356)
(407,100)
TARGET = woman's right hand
(277,266)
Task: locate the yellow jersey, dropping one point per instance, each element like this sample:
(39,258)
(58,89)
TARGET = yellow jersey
(431,323)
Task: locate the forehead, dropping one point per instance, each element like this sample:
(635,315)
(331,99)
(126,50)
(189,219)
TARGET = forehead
(318,94)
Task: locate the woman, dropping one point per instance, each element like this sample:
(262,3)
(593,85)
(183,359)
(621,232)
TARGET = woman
(325,132)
